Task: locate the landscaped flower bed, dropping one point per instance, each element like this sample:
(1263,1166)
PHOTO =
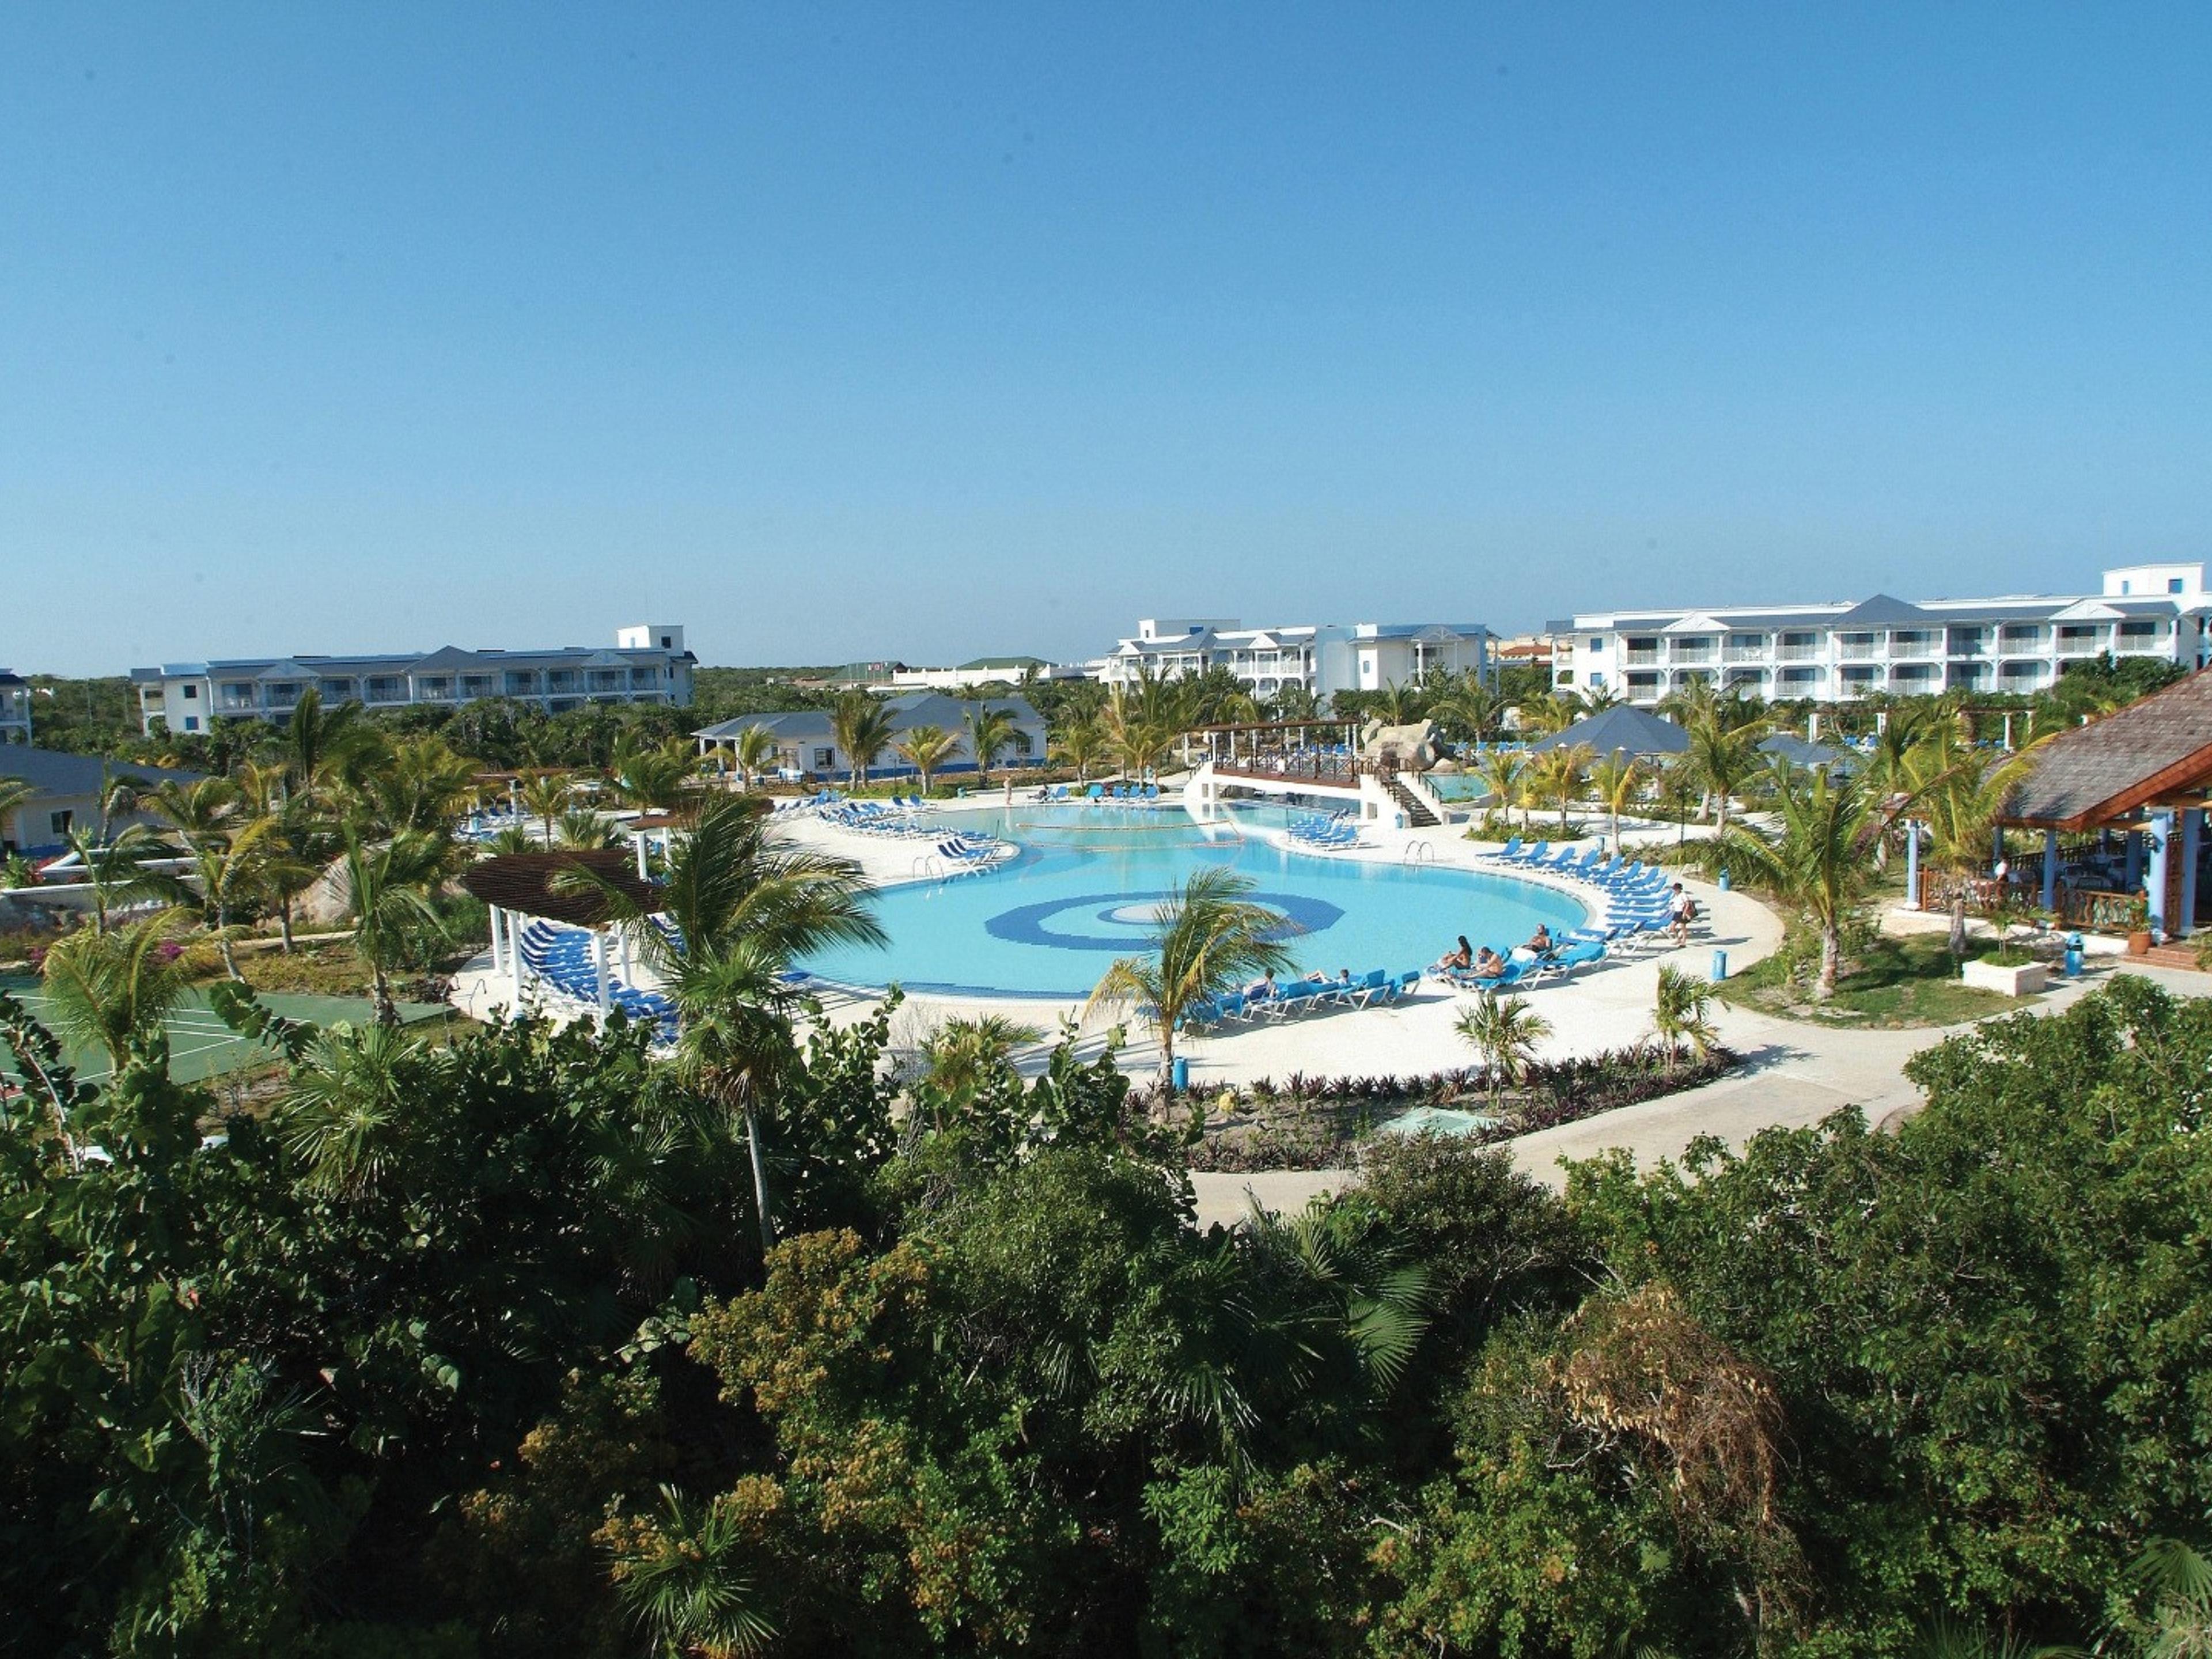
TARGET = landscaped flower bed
(1318,1123)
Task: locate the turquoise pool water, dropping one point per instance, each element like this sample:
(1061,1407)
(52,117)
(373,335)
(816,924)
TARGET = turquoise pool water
(1087,884)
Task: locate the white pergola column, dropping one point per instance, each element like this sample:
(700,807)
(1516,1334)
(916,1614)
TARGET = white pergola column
(1912,865)
(599,971)
(498,944)
(515,960)
(639,839)
(2161,850)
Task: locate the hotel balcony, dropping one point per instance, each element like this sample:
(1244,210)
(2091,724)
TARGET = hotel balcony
(1641,658)
(1801,653)
(1912,650)
(1856,651)
(1749,654)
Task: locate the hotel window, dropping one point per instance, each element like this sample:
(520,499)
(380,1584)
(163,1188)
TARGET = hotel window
(192,722)
(192,694)
(61,821)
(824,759)
(2173,584)
(1597,642)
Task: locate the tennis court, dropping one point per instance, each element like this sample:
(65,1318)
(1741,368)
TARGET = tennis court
(200,1045)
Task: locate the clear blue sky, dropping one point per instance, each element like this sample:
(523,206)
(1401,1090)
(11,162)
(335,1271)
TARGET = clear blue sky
(932,331)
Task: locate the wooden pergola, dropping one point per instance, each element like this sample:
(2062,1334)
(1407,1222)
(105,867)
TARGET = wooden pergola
(530,884)
(1279,749)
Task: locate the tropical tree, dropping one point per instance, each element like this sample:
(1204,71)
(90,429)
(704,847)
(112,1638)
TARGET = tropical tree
(416,784)
(1618,779)
(1815,864)
(1211,940)
(388,886)
(230,873)
(754,752)
(962,1054)
(738,907)
(685,1574)
(1681,1010)
(1080,744)
(1961,795)
(583,829)
(1470,704)
(1504,1031)
(1504,771)
(1722,758)
(989,732)
(545,795)
(195,809)
(111,990)
(320,743)
(1561,774)
(925,748)
(646,776)
(120,871)
(862,727)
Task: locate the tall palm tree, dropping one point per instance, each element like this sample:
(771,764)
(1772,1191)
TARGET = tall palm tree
(1472,705)
(737,909)
(862,727)
(15,794)
(1722,758)
(1078,745)
(989,732)
(581,829)
(1618,779)
(1680,1013)
(1815,864)
(1211,940)
(195,809)
(120,871)
(1961,795)
(1503,770)
(230,872)
(925,748)
(319,742)
(687,1577)
(544,796)
(110,990)
(294,858)
(754,751)
(388,885)
(1561,774)
(1504,1031)
(646,776)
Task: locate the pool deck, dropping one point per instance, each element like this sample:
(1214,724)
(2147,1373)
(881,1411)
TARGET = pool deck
(1796,1073)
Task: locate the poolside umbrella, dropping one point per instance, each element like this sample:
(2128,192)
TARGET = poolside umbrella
(1620,730)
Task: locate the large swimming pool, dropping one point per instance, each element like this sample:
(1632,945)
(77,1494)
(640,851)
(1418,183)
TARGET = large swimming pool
(1089,880)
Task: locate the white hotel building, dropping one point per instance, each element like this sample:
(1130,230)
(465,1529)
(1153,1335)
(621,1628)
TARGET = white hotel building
(646,664)
(1325,658)
(1835,652)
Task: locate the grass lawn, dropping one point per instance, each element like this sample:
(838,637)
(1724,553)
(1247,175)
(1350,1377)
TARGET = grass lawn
(1899,982)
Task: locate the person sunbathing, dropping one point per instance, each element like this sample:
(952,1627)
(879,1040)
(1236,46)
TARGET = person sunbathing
(1540,942)
(1453,962)
(1488,965)
(1260,990)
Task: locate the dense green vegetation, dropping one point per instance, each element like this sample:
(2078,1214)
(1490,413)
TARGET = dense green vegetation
(473,1350)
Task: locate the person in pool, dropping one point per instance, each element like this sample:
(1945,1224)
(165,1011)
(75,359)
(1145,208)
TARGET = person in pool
(1453,962)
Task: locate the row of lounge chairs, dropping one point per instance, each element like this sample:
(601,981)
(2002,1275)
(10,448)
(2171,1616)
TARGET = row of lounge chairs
(1326,831)
(1637,897)
(1301,996)
(561,959)
(965,855)
(901,817)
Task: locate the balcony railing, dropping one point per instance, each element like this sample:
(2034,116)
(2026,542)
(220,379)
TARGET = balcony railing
(1798,653)
(1854,650)
(1907,649)
(1642,659)
(2024,645)
(1744,653)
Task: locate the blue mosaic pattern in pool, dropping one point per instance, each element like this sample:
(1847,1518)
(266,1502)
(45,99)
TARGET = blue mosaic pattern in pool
(1089,880)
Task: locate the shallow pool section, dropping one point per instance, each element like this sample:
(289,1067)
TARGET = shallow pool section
(1089,882)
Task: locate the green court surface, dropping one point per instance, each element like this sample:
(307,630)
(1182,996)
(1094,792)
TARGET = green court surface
(201,1046)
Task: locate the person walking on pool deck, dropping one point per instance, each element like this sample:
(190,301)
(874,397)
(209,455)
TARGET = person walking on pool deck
(1681,910)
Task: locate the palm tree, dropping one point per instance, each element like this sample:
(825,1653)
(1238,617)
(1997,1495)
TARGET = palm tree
(197,809)
(1680,1013)
(1504,1031)
(1209,940)
(1961,798)
(740,907)
(15,794)
(230,873)
(582,828)
(684,1577)
(1503,770)
(319,742)
(962,1054)
(1619,778)
(990,730)
(350,1095)
(1470,704)
(754,751)
(1722,758)
(119,871)
(111,990)
(862,727)
(646,777)
(1815,864)
(1078,745)
(544,795)
(925,748)
(388,884)
(1561,773)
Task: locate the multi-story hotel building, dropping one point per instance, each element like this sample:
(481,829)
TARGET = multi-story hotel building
(1836,651)
(1323,657)
(646,664)
(14,708)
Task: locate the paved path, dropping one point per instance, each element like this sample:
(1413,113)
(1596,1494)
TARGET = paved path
(1799,1073)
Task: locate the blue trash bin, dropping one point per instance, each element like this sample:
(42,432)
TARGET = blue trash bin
(2073,956)
(1724,881)
(1182,1074)
(1720,966)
